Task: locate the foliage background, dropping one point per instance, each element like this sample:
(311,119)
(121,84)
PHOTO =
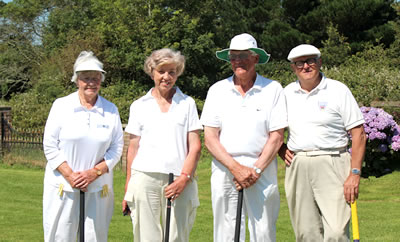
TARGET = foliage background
(40,40)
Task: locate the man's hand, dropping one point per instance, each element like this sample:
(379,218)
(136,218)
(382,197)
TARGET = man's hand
(286,155)
(244,176)
(351,186)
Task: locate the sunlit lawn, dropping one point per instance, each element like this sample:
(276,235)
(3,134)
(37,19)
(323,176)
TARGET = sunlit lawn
(21,206)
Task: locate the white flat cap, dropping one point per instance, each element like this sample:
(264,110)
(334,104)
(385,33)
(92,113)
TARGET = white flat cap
(303,50)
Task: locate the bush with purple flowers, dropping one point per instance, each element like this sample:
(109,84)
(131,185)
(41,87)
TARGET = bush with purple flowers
(383,142)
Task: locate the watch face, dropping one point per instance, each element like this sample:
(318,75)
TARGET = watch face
(258,170)
(98,172)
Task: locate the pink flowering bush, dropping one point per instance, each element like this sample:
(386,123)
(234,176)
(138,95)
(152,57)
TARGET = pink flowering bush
(383,142)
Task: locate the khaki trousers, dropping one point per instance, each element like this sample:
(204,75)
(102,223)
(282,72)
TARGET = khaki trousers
(148,208)
(315,195)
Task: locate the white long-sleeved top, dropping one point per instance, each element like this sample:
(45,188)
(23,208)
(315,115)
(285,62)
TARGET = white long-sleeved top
(82,138)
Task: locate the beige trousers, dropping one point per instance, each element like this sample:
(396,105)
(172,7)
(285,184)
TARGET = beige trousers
(315,195)
(148,208)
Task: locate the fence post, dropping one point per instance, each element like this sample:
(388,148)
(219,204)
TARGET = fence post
(2,135)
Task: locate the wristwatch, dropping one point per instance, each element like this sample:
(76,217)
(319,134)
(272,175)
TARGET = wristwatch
(98,171)
(258,170)
(355,171)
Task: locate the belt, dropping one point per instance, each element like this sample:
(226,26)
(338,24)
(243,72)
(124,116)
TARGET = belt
(321,152)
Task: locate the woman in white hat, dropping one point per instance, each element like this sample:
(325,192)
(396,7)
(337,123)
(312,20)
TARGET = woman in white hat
(83,141)
(164,138)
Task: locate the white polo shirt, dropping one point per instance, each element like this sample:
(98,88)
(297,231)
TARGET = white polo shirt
(163,136)
(83,138)
(321,118)
(245,122)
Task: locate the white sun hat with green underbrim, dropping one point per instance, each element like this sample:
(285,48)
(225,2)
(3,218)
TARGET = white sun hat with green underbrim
(244,42)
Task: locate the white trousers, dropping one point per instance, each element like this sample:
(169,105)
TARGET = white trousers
(61,215)
(260,203)
(146,199)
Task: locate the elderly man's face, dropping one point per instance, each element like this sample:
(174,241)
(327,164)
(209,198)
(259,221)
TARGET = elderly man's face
(307,68)
(242,62)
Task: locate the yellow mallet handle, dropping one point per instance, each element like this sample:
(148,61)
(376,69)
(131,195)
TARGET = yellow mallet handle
(354,221)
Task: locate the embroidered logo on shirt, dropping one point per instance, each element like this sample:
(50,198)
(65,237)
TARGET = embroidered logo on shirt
(104,126)
(322,105)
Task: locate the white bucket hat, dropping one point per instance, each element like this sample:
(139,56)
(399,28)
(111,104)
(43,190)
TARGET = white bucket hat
(244,42)
(303,50)
(87,61)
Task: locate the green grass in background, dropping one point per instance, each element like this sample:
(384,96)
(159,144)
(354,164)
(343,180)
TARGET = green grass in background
(22,188)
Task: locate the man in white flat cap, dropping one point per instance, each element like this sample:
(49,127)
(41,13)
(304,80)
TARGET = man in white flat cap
(244,117)
(322,177)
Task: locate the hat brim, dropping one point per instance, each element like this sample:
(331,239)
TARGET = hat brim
(89,66)
(264,56)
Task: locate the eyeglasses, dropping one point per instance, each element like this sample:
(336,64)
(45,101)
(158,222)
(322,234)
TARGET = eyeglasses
(241,56)
(309,61)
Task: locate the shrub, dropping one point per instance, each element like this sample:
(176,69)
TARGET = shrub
(122,95)
(383,142)
(369,75)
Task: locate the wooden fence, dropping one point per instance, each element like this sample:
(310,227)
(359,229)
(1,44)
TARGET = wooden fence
(13,138)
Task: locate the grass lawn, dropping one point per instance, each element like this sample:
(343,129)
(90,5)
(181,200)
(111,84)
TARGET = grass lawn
(21,206)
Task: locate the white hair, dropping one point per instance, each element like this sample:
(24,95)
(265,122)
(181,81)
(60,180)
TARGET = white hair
(162,57)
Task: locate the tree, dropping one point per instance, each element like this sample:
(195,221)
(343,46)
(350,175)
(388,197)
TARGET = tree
(336,49)
(359,21)
(20,51)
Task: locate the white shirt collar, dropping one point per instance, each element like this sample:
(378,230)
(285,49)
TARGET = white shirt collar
(320,86)
(177,95)
(98,106)
(256,86)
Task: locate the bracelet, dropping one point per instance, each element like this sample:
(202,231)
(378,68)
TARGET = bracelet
(187,175)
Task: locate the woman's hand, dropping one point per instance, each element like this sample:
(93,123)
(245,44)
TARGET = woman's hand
(85,178)
(125,208)
(176,188)
(72,177)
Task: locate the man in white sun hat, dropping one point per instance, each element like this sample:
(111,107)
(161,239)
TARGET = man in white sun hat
(244,117)
(322,178)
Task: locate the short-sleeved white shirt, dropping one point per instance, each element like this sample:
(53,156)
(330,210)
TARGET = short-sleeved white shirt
(163,135)
(82,138)
(245,122)
(321,118)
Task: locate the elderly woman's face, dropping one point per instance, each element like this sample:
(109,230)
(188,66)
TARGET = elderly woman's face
(89,82)
(165,77)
